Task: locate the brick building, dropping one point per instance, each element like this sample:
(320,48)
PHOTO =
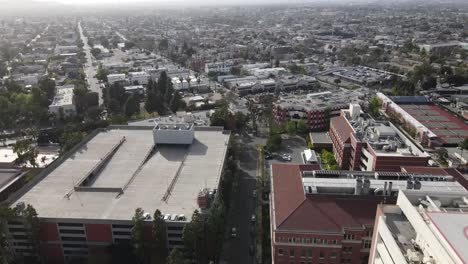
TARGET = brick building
(315,108)
(328,216)
(86,199)
(362,143)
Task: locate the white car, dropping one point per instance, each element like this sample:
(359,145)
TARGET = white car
(286,157)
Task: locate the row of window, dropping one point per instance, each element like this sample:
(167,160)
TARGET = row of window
(317,241)
(309,253)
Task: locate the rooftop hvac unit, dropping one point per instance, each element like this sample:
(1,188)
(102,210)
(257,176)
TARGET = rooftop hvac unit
(414,257)
(417,185)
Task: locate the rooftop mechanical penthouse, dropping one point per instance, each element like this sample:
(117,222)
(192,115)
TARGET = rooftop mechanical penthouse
(95,188)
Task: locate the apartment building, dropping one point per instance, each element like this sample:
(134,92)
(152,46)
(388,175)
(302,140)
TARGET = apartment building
(63,102)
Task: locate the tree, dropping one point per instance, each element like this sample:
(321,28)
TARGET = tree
(215,230)
(337,81)
(193,237)
(47,85)
(328,160)
(302,127)
(69,139)
(277,63)
(131,106)
(6,214)
(26,152)
(291,128)
(33,228)
(274,143)
(464,144)
(176,257)
(95,52)
(137,235)
(374,106)
(159,238)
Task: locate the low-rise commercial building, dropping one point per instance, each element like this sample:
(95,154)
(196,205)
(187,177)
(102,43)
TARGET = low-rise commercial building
(118,77)
(63,102)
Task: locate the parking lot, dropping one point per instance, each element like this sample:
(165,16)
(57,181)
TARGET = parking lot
(292,146)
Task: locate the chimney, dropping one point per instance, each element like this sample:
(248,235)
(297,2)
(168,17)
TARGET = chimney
(385,189)
(390,184)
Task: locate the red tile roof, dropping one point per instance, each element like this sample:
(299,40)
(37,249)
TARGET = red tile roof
(342,127)
(288,191)
(328,213)
(332,213)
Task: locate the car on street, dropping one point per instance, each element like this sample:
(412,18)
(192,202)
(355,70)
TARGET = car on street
(252,219)
(254,194)
(233,232)
(251,250)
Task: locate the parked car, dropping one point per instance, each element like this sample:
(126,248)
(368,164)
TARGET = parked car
(253,218)
(286,157)
(251,250)
(254,194)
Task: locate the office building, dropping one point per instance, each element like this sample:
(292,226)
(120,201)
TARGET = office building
(362,143)
(322,216)
(423,227)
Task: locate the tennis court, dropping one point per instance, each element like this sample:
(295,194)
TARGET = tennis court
(447,127)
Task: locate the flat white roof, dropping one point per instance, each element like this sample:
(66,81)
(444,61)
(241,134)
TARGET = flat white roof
(198,166)
(454,228)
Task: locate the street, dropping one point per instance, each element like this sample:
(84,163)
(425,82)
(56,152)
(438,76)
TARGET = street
(237,249)
(89,69)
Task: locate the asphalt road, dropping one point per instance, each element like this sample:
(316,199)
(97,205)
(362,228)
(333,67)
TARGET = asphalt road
(236,250)
(89,69)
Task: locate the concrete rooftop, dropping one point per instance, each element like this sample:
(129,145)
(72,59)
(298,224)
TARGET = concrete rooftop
(144,183)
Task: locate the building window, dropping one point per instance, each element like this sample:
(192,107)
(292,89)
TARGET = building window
(311,252)
(318,241)
(324,241)
(334,242)
(333,254)
(367,243)
(280,252)
(369,233)
(307,241)
(290,240)
(349,236)
(291,252)
(321,255)
(303,253)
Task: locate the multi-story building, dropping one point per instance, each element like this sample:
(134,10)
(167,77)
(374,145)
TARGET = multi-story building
(362,143)
(138,78)
(219,67)
(328,216)
(118,77)
(424,121)
(423,227)
(315,108)
(63,101)
(86,199)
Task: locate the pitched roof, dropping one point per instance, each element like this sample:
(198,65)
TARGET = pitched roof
(293,210)
(343,128)
(288,191)
(332,213)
